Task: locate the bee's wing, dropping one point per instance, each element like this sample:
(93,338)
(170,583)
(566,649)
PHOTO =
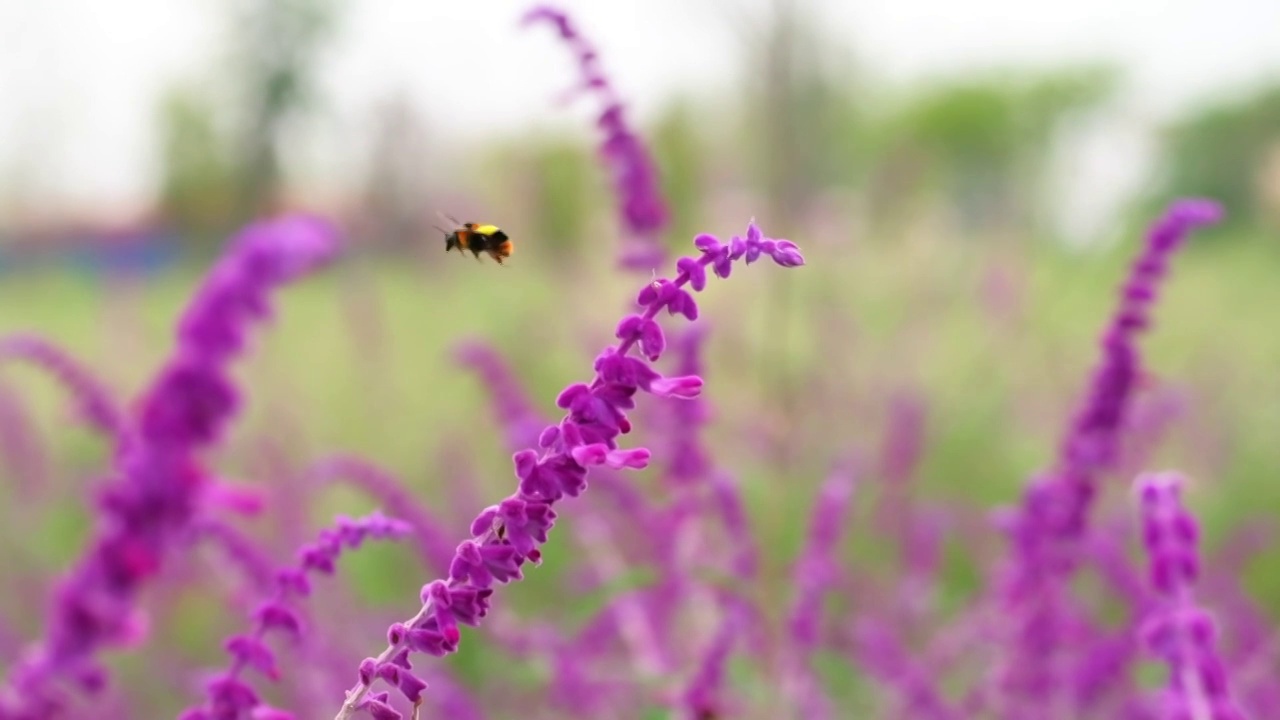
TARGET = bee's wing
(449,219)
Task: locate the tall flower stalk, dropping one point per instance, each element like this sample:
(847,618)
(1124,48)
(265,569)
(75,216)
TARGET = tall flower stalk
(507,535)
(641,206)
(1047,527)
(1177,630)
(157,486)
(230,696)
(94,402)
(815,574)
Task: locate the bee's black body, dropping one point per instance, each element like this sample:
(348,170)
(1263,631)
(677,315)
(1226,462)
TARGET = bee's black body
(479,238)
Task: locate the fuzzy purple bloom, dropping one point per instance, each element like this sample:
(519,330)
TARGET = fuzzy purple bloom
(232,698)
(880,651)
(239,549)
(507,535)
(705,698)
(158,482)
(1177,630)
(21,448)
(817,569)
(94,402)
(642,208)
(1053,515)
(816,572)
(433,544)
(744,563)
(688,459)
(511,406)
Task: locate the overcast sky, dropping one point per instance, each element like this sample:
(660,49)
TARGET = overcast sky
(79,78)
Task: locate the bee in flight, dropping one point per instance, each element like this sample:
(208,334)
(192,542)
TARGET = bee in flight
(477,238)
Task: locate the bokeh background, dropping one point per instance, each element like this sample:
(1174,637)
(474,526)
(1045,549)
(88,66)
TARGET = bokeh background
(967,183)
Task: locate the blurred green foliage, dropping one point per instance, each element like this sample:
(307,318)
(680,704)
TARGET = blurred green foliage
(802,112)
(275,47)
(987,140)
(1222,149)
(198,188)
(680,151)
(221,141)
(810,117)
(561,175)
(550,180)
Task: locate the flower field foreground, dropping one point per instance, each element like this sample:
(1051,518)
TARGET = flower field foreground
(647,557)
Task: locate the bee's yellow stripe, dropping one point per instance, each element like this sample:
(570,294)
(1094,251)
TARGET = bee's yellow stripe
(486,229)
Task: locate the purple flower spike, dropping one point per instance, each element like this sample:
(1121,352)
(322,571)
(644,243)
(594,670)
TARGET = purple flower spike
(511,406)
(158,483)
(705,697)
(641,206)
(94,402)
(509,534)
(434,545)
(1054,512)
(688,459)
(231,698)
(1178,631)
(815,574)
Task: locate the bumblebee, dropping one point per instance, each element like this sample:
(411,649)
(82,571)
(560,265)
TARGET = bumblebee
(477,238)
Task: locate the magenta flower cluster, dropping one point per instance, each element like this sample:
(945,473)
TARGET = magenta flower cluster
(157,486)
(229,695)
(507,535)
(1046,528)
(1179,632)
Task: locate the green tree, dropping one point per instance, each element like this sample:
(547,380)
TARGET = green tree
(987,139)
(562,174)
(1219,150)
(276,46)
(197,192)
(804,118)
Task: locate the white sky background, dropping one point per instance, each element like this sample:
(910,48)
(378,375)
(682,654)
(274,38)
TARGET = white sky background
(79,79)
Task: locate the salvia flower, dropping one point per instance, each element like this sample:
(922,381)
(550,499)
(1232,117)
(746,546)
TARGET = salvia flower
(705,697)
(94,402)
(688,459)
(238,549)
(509,534)
(511,406)
(881,653)
(1055,506)
(816,573)
(642,208)
(157,486)
(21,450)
(434,545)
(1054,509)
(744,563)
(1177,630)
(230,697)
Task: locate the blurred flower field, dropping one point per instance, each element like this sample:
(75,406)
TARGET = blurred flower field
(863,444)
(984,353)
